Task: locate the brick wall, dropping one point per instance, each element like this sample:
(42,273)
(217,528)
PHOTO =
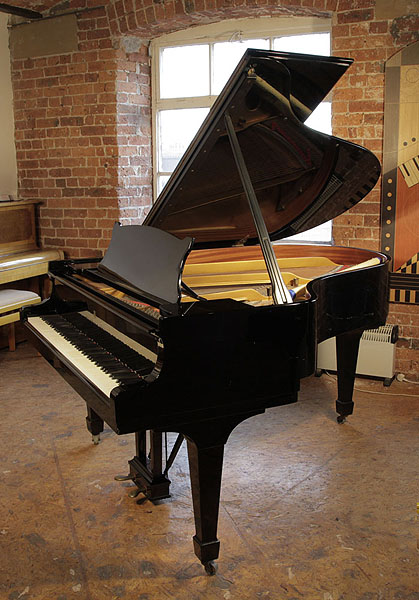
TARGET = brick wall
(66,138)
(134,130)
(358,107)
(83,119)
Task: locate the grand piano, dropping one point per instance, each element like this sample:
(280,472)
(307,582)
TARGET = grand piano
(197,320)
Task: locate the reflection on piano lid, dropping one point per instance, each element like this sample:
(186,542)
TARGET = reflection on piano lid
(105,289)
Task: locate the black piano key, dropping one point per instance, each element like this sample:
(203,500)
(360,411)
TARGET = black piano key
(112,356)
(125,354)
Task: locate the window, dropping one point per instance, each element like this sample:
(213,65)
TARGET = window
(191,67)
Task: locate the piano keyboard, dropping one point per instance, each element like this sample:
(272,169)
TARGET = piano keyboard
(92,347)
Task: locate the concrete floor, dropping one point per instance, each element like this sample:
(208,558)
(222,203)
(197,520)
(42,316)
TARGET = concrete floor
(310,509)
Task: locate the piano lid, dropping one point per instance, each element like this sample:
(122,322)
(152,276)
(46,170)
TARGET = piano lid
(301,177)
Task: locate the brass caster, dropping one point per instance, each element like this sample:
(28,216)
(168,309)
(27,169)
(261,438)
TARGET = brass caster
(210,567)
(341,419)
(95,439)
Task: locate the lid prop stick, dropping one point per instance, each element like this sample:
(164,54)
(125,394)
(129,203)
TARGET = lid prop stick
(280,292)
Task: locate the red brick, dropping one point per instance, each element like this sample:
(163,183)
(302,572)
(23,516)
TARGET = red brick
(354,16)
(355,4)
(365,106)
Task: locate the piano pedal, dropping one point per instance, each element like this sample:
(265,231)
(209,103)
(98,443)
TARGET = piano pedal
(123,477)
(136,491)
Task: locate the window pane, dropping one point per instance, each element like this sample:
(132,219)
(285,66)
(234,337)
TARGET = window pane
(321,118)
(176,130)
(226,57)
(311,43)
(184,71)
(322,233)
(161,182)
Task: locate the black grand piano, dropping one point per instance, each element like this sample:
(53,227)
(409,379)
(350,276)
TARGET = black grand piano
(196,321)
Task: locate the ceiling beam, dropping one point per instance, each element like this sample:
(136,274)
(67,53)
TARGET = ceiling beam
(20,12)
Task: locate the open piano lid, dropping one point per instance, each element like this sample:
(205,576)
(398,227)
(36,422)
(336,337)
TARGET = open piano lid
(301,177)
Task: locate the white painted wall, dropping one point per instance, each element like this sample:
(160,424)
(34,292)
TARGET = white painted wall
(8,171)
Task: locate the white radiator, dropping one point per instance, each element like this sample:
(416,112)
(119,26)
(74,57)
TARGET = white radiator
(376,357)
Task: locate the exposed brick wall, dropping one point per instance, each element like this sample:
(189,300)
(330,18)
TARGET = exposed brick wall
(134,131)
(358,115)
(407,355)
(149,19)
(83,123)
(66,138)
(358,106)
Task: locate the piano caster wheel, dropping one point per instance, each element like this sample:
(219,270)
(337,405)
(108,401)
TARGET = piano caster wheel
(95,439)
(210,567)
(341,419)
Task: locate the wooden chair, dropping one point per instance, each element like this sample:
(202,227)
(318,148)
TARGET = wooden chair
(11,301)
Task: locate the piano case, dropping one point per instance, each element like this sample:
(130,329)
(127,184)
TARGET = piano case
(149,348)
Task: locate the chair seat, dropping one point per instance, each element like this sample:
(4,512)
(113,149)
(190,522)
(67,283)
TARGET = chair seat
(11,301)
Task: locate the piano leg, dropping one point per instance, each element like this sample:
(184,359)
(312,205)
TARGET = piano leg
(94,424)
(206,467)
(347,346)
(205,453)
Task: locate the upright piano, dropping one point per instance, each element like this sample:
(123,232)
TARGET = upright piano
(22,263)
(20,257)
(197,320)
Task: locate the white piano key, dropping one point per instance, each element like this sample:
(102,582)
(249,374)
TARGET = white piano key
(106,383)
